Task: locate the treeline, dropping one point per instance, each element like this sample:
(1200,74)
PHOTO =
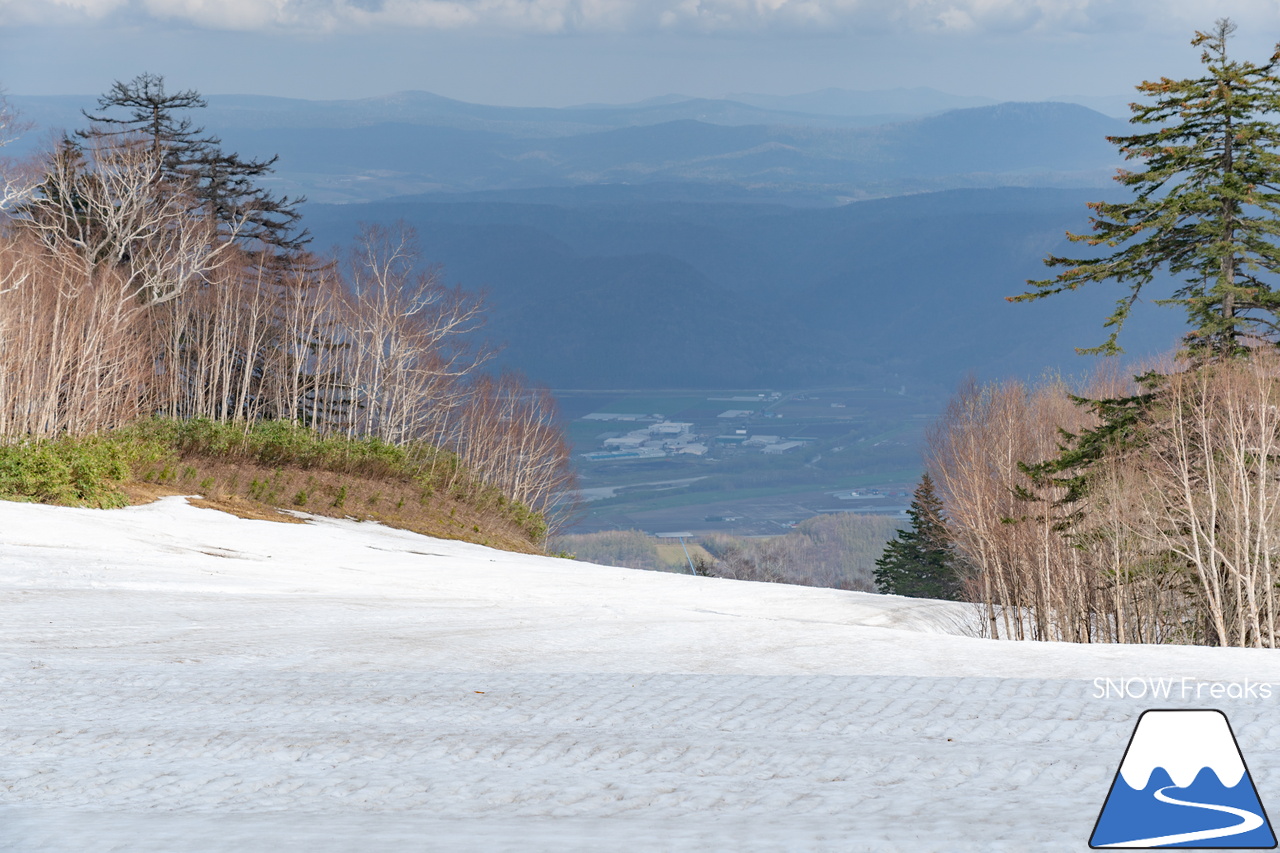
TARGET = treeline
(1144,510)
(1164,526)
(144,271)
(837,550)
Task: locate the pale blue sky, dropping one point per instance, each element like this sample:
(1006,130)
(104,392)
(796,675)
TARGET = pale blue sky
(561,52)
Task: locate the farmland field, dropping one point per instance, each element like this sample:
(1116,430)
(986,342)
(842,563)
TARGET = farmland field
(772,457)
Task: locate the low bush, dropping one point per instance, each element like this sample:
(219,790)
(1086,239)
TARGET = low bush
(415,486)
(86,471)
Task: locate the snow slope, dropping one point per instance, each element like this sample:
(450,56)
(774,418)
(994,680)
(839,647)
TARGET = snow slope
(176,679)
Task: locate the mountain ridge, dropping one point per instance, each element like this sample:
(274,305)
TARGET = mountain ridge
(680,294)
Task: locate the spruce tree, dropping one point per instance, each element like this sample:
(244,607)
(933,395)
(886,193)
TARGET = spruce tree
(920,562)
(1206,205)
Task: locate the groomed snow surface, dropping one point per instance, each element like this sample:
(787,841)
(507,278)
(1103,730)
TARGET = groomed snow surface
(177,679)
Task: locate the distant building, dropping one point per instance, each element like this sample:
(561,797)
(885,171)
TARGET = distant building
(626,442)
(782,446)
(670,428)
(618,455)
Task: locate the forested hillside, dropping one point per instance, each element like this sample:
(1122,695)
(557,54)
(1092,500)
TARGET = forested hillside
(600,288)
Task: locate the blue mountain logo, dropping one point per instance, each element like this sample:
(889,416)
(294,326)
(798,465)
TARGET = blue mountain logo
(1183,783)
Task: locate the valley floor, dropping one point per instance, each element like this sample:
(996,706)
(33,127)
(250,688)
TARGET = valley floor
(177,679)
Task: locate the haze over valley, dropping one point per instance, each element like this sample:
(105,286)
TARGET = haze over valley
(852,244)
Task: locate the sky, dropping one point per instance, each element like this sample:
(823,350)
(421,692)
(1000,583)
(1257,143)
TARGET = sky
(563,52)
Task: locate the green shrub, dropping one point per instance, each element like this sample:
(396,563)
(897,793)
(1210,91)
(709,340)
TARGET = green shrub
(89,471)
(72,471)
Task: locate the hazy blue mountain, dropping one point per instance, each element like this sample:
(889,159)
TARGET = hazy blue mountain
(340,151)
(1042,144)
(1116,106)
(1003,139)
(257,112)
(847,102)
(596,293)
(424,108)
(47,114)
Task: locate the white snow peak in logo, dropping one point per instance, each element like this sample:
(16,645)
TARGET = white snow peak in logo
(1183,783)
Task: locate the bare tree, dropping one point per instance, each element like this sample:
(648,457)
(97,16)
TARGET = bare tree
(119,299)
(1031,577)
(1173,540)
(73,353)
(8,121)
(405,336)
(107,207)
(510,437)
(16,181)
(1213,495)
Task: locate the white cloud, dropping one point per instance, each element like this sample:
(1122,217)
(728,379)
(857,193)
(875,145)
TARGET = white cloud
(14,12)
(568,16)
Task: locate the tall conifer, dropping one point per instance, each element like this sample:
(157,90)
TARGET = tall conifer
(1206,205)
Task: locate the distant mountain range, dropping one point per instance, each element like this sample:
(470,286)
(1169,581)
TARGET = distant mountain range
(829,107)
(752,241)
(820,148)
(845,102)
(1043,144)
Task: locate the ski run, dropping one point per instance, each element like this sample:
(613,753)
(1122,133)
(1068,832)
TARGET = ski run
(177,679)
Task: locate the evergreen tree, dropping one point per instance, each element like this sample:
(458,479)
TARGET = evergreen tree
(151,116)
(222,184)
(920,562)
(1206,207)
(1206,204)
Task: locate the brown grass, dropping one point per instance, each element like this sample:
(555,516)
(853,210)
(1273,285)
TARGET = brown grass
(242,508)
(139,493)
(256,491)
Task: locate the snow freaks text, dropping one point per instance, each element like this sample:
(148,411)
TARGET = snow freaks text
(1148,687)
